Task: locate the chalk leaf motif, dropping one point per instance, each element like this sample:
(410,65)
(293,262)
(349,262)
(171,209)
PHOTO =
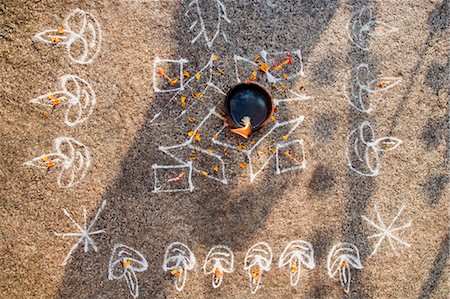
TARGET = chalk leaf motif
(209,33)
(257,260)
(71,157)
(76,96)
(343,257)
(178,259)
(296,255)
(382,84)
(219,260)
(386,144)
(124,263)
(78,27)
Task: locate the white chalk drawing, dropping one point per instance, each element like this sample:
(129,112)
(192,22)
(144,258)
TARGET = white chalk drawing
(84,233)
(159,71)
(189,145)
(75,96)
(205,72)
(296,255)
(363,150)
(286,160)
(124,263)
(178,182)
(360,100)
(79,28)
(71,157)
(387,232)
(178,259)
(257,260)
(275,62)
(363,25)
(219,260)
(341,258)
(254,172)
(209,34)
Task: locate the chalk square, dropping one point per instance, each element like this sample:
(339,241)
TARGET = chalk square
(168,75)
(290,156)
(173,178)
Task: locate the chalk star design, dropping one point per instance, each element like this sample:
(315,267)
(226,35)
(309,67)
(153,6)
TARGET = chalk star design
(387,232)
(84,233)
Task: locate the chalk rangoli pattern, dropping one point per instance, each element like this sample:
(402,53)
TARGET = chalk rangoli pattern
(79,27)
(285,65)
(219,260)
(75,96)
(257,260)
(178,259)
(363,150)
(124,263)
(341,258)
(71,157)
(253,151)
(84,232)
(296,255)
(387,232)
(363,25)
(209,34)
(360,100)
(189,145)
(169,76)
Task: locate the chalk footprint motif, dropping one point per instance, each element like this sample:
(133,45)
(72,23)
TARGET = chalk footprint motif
(71,157)
(296,255)
(124,263)
(219,260)
(178,259)
(343,257)
(365,87)
(363,25)
(257,260)
(79,28)
(75,96)
(209,33)
(363,150)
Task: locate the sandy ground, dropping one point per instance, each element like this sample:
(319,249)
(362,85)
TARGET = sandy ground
(323,204)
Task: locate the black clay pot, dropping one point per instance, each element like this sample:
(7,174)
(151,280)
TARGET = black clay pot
(249,99)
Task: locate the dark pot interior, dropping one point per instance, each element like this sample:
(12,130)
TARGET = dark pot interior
(249,99)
